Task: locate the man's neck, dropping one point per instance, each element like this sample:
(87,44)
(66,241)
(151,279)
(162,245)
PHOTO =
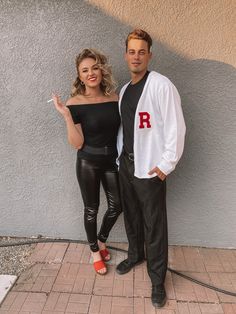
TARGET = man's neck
(136,77)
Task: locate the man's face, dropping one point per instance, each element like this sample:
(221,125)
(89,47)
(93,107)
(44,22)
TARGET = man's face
(137,56)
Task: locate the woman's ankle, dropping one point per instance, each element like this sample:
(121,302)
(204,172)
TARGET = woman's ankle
(96,256)
(102,245)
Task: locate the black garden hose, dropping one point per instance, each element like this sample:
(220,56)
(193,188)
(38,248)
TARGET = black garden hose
(48,240)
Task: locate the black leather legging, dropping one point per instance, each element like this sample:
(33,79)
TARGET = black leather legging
(90,174)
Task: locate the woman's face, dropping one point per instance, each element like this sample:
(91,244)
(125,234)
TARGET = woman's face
(90,73)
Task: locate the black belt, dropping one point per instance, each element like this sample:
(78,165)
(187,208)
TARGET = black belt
(129,155)
(106,150)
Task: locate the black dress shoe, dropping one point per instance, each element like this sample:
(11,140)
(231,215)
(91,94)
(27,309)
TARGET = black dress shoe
(158,296)
(125,266)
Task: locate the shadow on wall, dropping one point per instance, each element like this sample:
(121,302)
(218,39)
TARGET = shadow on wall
(201,190)
(42,44)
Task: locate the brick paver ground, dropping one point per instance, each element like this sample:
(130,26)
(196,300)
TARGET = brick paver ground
(62,280)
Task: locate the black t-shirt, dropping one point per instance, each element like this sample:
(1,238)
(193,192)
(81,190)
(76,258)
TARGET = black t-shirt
(100,123)
(128,108)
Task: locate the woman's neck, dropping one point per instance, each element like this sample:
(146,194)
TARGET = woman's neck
(93,93)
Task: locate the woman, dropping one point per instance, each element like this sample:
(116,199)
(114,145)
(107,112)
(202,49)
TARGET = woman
(92,121)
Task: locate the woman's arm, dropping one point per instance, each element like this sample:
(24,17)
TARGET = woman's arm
(74,132)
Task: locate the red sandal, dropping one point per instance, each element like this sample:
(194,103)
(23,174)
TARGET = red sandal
(98,266)
(104,254)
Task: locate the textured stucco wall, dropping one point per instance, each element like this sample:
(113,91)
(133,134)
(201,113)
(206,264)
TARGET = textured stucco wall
(193,46)
(193,28)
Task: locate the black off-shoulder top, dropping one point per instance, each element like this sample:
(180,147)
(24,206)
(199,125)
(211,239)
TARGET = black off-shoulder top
(100,123)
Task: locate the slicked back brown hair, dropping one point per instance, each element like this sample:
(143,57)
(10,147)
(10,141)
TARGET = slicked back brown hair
(139,34)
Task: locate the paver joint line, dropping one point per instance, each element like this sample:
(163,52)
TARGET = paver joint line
(121,296)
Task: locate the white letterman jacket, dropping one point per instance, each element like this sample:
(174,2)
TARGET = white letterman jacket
(159,127)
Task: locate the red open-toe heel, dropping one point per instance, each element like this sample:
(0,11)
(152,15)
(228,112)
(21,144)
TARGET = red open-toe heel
(98,266)
(105,255)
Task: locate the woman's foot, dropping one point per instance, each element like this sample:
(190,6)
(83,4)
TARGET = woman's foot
(106,256)
(98,263)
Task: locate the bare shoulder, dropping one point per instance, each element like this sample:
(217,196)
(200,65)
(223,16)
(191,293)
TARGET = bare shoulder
(76,100)
(113,97)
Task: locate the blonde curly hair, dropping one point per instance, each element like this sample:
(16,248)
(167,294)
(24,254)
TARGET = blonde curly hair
(107,84)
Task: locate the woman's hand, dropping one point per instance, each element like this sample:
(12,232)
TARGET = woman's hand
(60,106)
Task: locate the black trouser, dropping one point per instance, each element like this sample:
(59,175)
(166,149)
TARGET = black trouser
(144,206)
(89,175)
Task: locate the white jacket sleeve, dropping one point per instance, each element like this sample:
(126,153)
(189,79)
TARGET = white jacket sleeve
(173,127)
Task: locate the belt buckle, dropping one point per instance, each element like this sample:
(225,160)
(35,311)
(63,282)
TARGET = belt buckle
(131,156)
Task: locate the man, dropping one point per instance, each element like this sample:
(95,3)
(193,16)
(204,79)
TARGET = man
(150,143)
